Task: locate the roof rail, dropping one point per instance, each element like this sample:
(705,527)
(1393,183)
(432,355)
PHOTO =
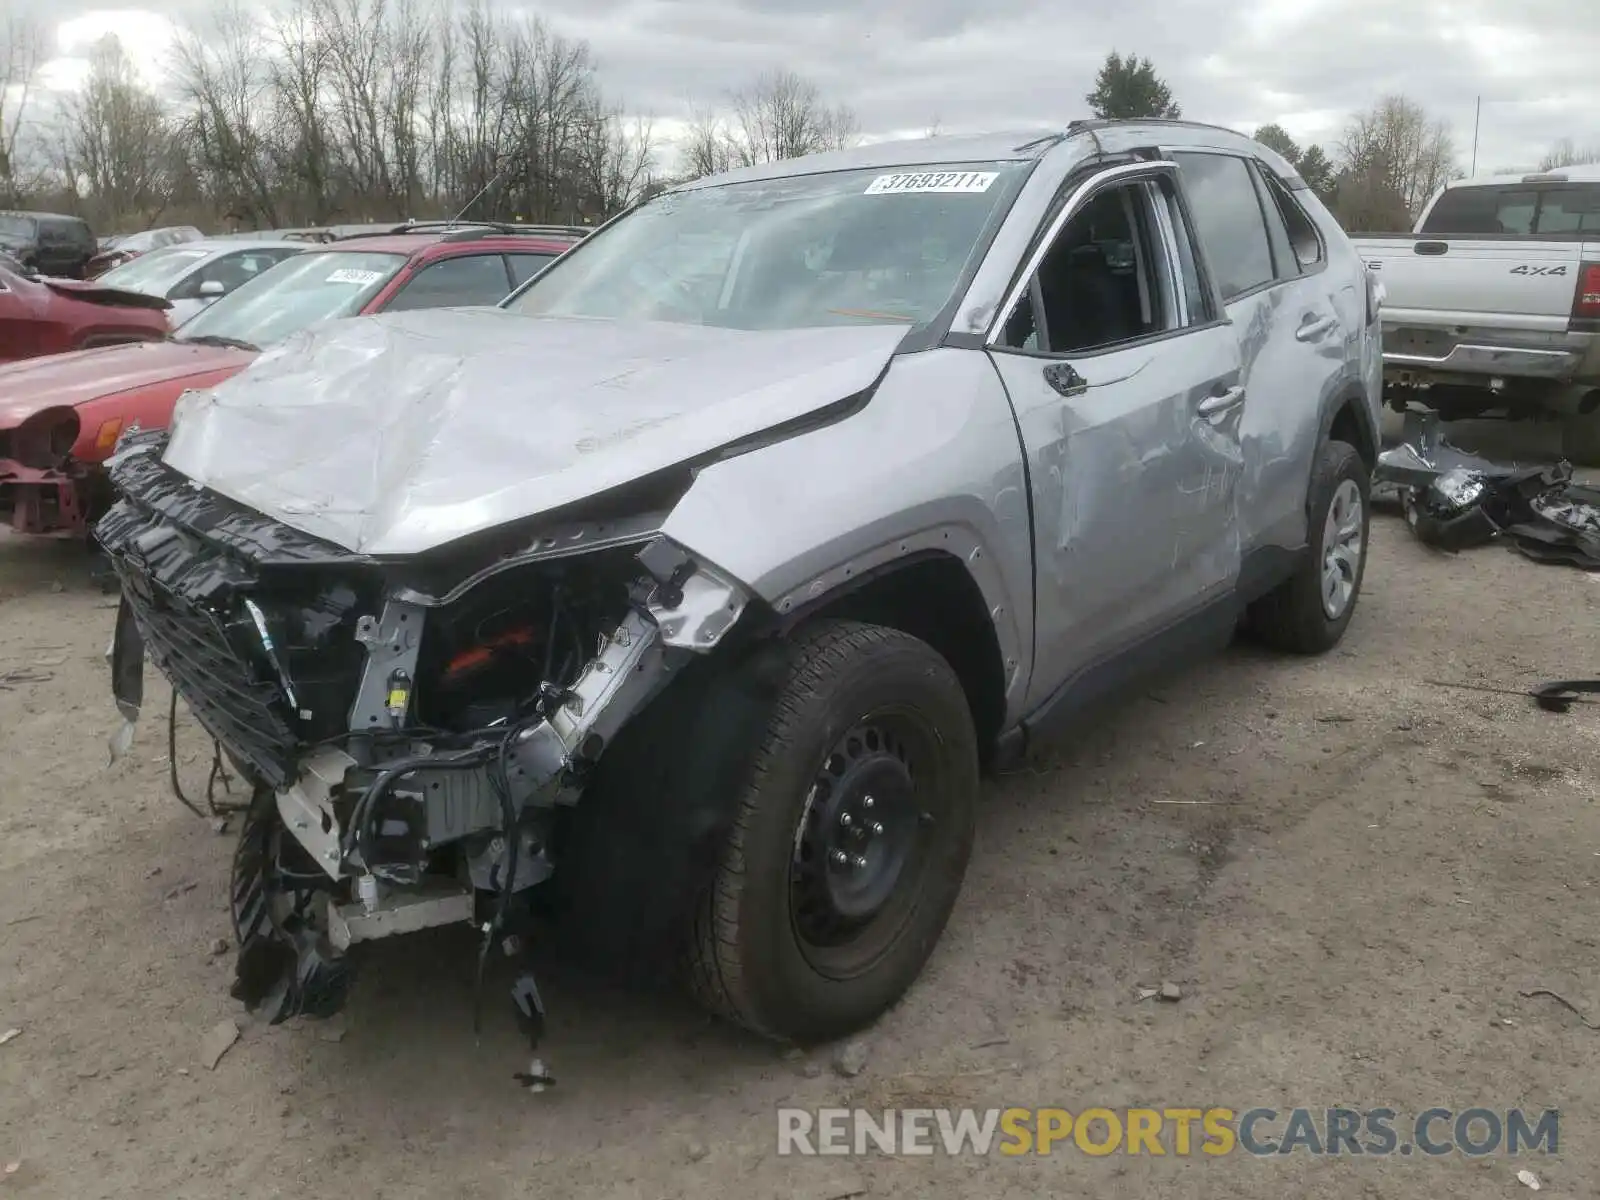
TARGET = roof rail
(468,230)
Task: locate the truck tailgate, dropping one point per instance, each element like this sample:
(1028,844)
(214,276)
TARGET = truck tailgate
(1520,283)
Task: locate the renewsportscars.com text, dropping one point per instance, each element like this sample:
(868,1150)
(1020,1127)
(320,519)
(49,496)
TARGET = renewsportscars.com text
(1177,1131)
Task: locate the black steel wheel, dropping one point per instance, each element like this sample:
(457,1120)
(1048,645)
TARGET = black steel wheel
(850,839)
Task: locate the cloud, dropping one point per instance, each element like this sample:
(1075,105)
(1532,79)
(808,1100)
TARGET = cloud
(904,64)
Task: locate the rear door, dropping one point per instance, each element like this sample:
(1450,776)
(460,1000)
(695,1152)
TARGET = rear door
(1125,382)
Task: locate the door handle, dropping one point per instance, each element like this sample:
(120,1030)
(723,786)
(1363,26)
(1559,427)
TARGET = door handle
(1221,402)
(1064,378)
(1314,327)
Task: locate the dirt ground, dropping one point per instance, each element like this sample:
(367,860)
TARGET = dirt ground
(1350,871)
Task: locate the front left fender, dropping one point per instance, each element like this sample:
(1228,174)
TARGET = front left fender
(930,463)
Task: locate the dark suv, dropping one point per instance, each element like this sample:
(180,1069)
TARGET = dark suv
(48,243)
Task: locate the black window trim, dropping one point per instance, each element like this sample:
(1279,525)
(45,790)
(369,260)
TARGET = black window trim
(1282,195)
(419,269)
(1052,227)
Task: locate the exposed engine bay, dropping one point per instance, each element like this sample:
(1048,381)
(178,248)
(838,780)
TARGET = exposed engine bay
(410,737)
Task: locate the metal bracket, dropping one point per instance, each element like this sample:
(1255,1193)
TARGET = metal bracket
(398,912)
(392,643)
(306,806)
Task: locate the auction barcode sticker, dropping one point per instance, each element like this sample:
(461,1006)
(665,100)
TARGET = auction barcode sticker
(353,275)
(932,181)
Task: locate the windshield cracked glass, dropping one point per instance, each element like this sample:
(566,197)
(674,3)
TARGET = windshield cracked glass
(841,248)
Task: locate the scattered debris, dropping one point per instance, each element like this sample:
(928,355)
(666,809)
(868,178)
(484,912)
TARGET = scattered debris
(1171,993)
(1146,993)
(56,587)
(183,1070)
(217,1043)
(1561,1000)
(988,1042)
(1500,1022)
(220,946)
(1528,1179)
(13,1167)
(1559,697)
(1404,724)
(9,1036)
(793,1054)
(89,1073)
(220,825)
(812,1070)
(1334,719)
(1455,500)
(698,1151)
(851,1059)
(182,889)
(54,660)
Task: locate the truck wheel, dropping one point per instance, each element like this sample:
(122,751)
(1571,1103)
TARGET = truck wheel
(850,838)
(1309,612)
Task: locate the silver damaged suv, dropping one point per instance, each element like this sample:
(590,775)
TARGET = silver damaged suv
(671,610)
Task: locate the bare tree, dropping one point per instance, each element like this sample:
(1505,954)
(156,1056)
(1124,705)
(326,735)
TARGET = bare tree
(781,115)
(1566,154)
(119,141)
(21,53)
(1395,150)
(707,147)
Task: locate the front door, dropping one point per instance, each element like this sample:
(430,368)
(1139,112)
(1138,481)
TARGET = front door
(1125,381)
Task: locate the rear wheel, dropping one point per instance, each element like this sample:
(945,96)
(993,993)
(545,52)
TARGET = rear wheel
(850,838)
(1309,612)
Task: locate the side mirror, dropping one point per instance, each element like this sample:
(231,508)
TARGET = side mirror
(211,289)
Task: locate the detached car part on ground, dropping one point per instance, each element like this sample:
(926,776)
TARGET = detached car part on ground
(673,607)
(1455,500)
(61,416)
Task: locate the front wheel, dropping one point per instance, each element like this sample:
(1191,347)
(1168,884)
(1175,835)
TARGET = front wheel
(850,839)
(1309,612)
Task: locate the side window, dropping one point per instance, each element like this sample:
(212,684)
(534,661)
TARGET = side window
(1107,278)
(525,266)
(1305,242)
(1482,210)
(1228,219)
(1570,210)
(469,280)
(1284,263)
(230,270)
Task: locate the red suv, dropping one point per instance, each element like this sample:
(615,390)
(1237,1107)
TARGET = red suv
(60,416)
(47,316)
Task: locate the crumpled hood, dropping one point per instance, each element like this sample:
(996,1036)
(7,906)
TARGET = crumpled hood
(48,380)
(393,434)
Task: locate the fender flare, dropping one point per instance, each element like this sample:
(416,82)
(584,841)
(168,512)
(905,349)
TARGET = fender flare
(1350,396)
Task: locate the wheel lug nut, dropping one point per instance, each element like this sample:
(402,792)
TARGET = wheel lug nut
(877,828)
(844,819)
(840,858)
(860,861)
(866,802)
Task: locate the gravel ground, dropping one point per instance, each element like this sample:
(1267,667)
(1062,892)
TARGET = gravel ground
(1349,871)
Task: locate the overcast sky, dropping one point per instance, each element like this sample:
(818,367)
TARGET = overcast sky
(904,64)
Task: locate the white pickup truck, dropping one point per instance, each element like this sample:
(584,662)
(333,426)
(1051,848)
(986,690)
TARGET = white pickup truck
(1493,301)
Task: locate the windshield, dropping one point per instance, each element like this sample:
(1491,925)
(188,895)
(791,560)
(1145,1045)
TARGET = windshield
(293,294)
(23,227)
(842,248)
(154,272)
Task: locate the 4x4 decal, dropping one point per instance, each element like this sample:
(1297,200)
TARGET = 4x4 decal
(1525,269)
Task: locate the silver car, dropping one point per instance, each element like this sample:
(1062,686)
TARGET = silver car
(674,609)
(192,274)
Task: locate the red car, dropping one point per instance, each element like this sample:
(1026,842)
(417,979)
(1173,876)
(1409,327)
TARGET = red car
(60,417)
(40,315)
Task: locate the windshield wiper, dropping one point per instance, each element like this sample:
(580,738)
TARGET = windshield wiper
(216,339)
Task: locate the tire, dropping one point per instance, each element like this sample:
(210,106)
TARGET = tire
(1580,439)
(1294,617)
(677,860)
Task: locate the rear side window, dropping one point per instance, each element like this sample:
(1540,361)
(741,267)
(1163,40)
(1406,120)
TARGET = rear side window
(525,266)
(1229,221)
(1305,242)
(1570,210)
